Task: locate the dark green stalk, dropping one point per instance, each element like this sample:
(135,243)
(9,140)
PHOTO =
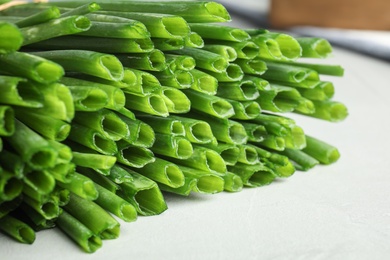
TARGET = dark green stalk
(320,150)
(17,229)
(43,16)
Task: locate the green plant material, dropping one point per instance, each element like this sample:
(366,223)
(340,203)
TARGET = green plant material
(153,104)
(58,27)
(323,152)
(164,125)
(196,131)
(10,186)
(115,204)
(253,175)
(184,190)
(88,62)
(140,82)
(244,49)
(248,154)
(229,152)
(218,32)
(252,67)
(82,9)
(7,127)
(88,98)
(153,60)
(278,163)
(172,146)
(179,62)
(91,159)
(273,142)
(175,100)
(193,40)
(205,59)
(229,53)
(99,44)
(143,194)
(17,229)
(255,132)
(277,46)
(141,134)
(118,175)
(164,172)
(324,90)
(32,148)
(12,162)
(329,110)
(9,206)
(195,12)
(32,67)
(105,121)
(48,209)
(301,160)
(42,16)
(100,222)
(208,104)
(232,73)
(233,183)
(279,99)
(80,185)
(224,130)
(261,84)
(116,97)
(325,69)
(168,44)
(314,47)
(204,82)
(240,91)
(11,39)
(133,156)
(180,79)
(77,231)
(245,110)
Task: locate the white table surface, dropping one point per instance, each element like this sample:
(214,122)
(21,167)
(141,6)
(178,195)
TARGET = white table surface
(341,211)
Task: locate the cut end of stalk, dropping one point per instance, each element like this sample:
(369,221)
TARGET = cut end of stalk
(11,38)
(273,49)
(114,127)
(11,189)
(338,112)
(215,162)
(230,155)
(322,48)
(220,65)
(42,159)
(96,99)
(82,23)
(233,183)
(26,235)
(178,102)
(174,176)
(207,84)
(145,136)
(111,232)
(113,67)
(158,105)
(150,201)
(93,243)
(183,148)
(128,213)
(48,72)
(176,26)
(237,134)
(239,35)
(249,51)
(62,133)
(252,109)
(7,126)
(289,47)
(177,128)
(194,40)
(260,178)
(209,184)
(201,132)
(157,60)
(103,145)
(222,108)
(234,72)
(218,12)
(249,90)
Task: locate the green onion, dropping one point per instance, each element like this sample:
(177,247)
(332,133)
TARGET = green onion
(279,98)
(180,62)
(11,38)
(229,152)
(204,82)
(7,127)
(164,125)
(43,16)
(152,104)
(16,91)
(12,163)
(245,110)
(49,208)
(255,132)
(240,91)
(329,110)
(172,44)
(313,47)
(80,185)
(325,69)
(233,72)
(253,175)
(193,40)
(133,156)
(196,131)
(184,190)
(17,229)
(172,146)
(324,90)
(141,134)
(207,182)
(302,161)
(93,160)
(82,10)
(10,186)
(252,67)
(225,51)
(233,183)
(248,155)
(153,60)
(180,79)
(88,98)
(218,32)
(320,150)
(175,100)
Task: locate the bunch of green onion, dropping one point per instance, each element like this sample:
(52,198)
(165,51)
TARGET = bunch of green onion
(104,106)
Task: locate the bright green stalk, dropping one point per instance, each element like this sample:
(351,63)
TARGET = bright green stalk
(172,146)
(43,16)
(115,204)
(325,69)
(49,127)
(11,38)
(63,151)
(265,117)
(295,139)
(62,171)
(278,163)
(40,181)
(93,160)
(48,208)
(141,134)
(17,229)
(180,79)
(329,110)
(193,40)
(58,27)
(151,104)
(10,186)
(313,47)
(175,100)
(184,190)
(261,84)
(248,155)
(284,72)
(105,121)
(92,139)
(209,183)
(103,180)
(109,26)
(205,59)
(116,97)
(274,142)
(88,62)
(225,130)
(245,49)
(119,175)
(140,82)
(153,60)
(144,194)
(301,160)
(12,162)
(191,11)
(204,82)
(165,44)
(32,67)
(233,183)
(93,217)
(204,159)
(255,132)
(196,131)
(164,125)
(32,148)
(253,175)
(245,110)
(208,104)
(218,32)
(16,91)
(229,53)
(229,152)
(163,171)
(7,127)
(82,10)
(240,91)
(277,46)
(88,98)
(232,73)
(99,44)
(179,62)
(133,156)
(80,185)
(279,99)
(76,230)
(252,67)
(320,150)
(324,90)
